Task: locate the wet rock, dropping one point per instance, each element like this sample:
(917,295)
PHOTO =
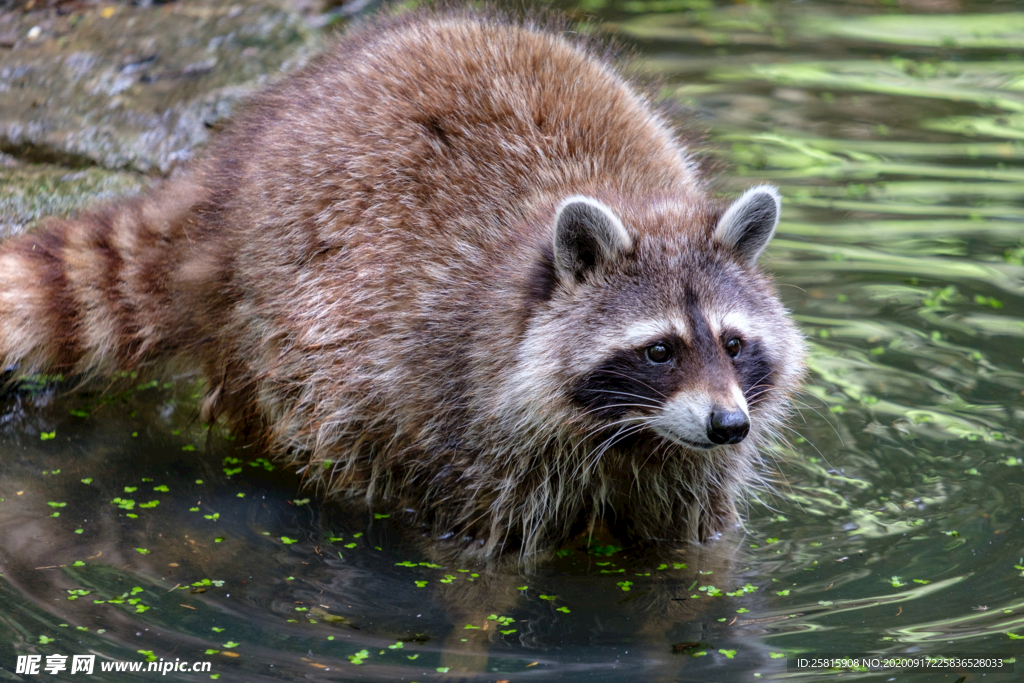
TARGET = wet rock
(135,87)
(29,192)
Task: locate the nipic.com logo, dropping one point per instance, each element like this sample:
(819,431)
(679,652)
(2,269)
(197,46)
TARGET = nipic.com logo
(31,664)
(86,664)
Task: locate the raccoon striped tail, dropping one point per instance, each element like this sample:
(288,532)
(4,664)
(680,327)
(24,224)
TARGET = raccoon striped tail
(93,294)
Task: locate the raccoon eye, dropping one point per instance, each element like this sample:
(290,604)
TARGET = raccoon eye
(658,353)
(733,347)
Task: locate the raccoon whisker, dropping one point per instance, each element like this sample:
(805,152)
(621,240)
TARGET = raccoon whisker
(595,455)
(666,440)
(800,404)
(786,284)
(770,461)
(665,443)
(624,393)
(654,451)
(631,377)
(826,419)
(756,398)
(799,407)
(780,478)
(586,462)
(763,387)
(611,406)
(642,419)
(767,486)
(615,438)
(775,471)
(755,495)
(552,435)
(778,436)
(618,405)
(757,385)
(615,405)
(808,441)
(589,454)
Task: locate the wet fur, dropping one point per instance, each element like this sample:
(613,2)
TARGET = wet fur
(362,268)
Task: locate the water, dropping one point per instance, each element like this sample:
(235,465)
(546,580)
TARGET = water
(896,133)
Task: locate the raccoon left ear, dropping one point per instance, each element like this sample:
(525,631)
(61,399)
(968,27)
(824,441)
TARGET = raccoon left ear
(587,236)
(748,224)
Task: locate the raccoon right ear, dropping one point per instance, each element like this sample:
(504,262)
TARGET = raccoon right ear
(587,236)
(749,223)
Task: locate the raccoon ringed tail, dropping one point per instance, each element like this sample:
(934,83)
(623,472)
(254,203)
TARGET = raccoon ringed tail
(94,293)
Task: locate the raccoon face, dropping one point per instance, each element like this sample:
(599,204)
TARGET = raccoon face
(676,333)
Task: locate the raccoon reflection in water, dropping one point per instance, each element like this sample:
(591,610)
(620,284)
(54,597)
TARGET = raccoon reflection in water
(464,259)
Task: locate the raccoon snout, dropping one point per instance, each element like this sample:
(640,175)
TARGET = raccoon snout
(727,426)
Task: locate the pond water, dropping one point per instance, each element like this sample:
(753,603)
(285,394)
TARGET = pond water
(893,521)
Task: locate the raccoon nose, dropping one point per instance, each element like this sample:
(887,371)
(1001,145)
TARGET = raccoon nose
(727,426)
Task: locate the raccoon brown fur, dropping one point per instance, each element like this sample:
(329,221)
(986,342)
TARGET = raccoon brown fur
(458,265)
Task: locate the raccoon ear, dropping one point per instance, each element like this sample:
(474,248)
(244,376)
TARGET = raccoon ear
(748,224)
(587,236)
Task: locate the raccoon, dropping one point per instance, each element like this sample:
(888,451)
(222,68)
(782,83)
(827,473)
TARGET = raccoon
(457,265)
